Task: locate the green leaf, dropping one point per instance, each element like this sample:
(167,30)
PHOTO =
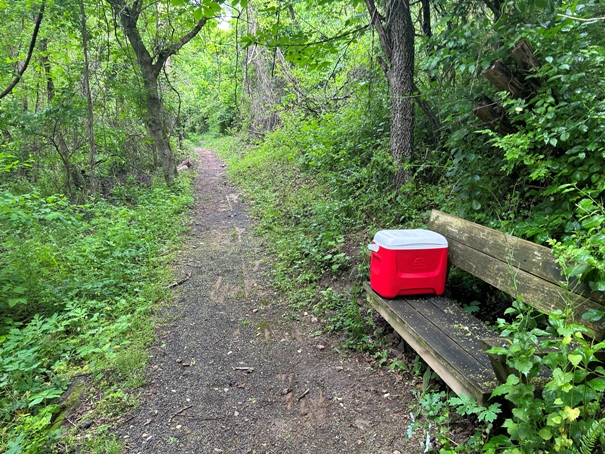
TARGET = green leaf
(12,302)
(577,270)
(574,359)
(598,384)
(490,414)
(597,286)
(19,289)
(545,433)
(593,315)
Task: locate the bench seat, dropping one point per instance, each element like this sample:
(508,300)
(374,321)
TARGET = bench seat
(445,337)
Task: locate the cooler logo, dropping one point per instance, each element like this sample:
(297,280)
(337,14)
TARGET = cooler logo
(419,262)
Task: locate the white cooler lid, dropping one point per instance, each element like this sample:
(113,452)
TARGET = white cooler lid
(409,239)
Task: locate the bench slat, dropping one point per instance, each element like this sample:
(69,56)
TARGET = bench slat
(530,257)
(536,292)
(462,328)
(438,337)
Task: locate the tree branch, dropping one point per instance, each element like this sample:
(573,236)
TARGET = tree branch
(581,19)
(30,51)
(128,18)
(163,54)
(321,41)
(376,20)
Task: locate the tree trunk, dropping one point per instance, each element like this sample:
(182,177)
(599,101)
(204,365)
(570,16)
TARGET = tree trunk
(150,70)
(496,7)
(400,76)
(396,35)
(493,116)
(263,92)
(156,125)
(427,29)
(92,152)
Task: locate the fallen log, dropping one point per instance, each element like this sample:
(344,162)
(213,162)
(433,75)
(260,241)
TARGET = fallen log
(527,63)
(493,116)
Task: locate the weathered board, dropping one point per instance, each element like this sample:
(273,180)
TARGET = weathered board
(445,337)
(515,266)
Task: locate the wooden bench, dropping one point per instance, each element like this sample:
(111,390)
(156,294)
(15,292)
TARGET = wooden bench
(447,338)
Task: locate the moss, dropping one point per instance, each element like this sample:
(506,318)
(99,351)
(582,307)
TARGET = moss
(71,399)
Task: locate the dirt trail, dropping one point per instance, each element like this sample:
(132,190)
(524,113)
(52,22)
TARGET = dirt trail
(232,372)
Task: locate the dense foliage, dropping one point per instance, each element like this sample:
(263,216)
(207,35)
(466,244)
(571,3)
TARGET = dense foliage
(77,283)
(307,86)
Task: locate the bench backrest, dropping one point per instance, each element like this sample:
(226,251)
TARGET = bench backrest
(515,266)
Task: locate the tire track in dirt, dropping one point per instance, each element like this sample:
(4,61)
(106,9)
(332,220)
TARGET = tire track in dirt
(232,372)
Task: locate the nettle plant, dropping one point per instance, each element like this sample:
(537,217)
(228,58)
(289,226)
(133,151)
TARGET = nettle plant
(555,412)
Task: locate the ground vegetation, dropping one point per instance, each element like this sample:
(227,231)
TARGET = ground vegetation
(344,117)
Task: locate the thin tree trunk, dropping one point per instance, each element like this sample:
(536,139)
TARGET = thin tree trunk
(73,177)
(92,152)
(22,67)
(427,29)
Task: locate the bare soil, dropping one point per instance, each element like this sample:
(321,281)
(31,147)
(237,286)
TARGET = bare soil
(232,369)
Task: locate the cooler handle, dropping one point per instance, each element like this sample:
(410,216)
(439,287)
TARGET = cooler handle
(373,247)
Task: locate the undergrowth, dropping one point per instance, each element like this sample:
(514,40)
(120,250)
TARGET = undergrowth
(77,283)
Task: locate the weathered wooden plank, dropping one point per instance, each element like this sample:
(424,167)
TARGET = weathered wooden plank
(464,329)
(493,115)
(462,372)
(531,257)
(504,79)
(535,291)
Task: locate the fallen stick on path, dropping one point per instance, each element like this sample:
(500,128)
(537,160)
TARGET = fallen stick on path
(182,281)
(303,394)
(179,412)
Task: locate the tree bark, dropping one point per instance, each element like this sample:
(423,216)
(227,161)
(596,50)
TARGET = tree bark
(427,29)
(527,63)
(493,116)
(150,70)
(401,82)
(92,152)
(396,35)
(496,7)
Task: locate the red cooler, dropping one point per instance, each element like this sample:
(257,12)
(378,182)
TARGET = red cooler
(408,262)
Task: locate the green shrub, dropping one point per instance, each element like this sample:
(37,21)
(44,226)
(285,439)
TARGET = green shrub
(565,415)
(76,287)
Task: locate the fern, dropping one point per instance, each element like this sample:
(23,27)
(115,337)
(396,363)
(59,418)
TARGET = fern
(589,439)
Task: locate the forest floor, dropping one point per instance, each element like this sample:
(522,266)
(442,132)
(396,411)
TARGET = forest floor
(233,370)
